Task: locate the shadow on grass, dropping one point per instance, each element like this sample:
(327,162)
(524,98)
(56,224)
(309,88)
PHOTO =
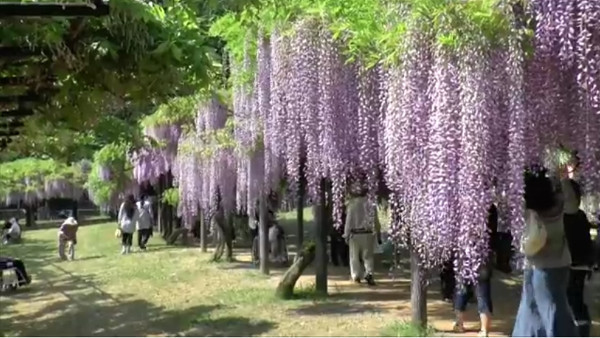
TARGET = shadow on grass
(229,327)
(75,306)
(335,308)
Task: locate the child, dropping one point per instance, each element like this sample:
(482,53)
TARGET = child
(67,234)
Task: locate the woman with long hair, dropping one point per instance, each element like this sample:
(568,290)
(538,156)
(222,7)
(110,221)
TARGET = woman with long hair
(544,309)
(126,223)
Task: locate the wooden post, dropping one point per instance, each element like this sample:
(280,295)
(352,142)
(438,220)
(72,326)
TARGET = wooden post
(203,232)
(263,235)
(418,292)
(321,243)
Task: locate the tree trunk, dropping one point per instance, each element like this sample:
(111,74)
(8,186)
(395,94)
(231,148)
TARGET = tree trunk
(321,243)
(224,240)
(229,231)
(29,219)
(175,235)
(75,210)
(300,212)
(418,292)
(203,232)
(219,243)
(285,288)
(161,205)
(263,235)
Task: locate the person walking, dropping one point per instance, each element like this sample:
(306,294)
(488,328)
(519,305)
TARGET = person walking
(361,229)
(144,221)
(482,288)
(544,308)
(577,231)
(67,236)
(126,223)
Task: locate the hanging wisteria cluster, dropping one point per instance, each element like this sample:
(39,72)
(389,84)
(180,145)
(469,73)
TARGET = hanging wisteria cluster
(563,83)
(31,180)
(150,162)
(451,125)
(203,168)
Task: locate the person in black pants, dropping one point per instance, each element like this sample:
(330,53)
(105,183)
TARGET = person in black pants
(339,250)
(577,231)
(448,280)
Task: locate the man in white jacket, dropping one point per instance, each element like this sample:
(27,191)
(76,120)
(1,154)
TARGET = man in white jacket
(144,221)
(361,230)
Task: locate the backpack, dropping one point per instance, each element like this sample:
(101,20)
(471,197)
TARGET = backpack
(534,235)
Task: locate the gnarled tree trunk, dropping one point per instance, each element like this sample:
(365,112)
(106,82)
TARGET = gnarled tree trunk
(418,292)
(285,288)
(263,235)
(321,242)
(203,232)
(224,239)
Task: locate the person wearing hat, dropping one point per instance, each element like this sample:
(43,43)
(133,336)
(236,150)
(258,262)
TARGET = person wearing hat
(67,235)
(361,229)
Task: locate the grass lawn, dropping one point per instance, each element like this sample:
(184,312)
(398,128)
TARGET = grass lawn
(177,291)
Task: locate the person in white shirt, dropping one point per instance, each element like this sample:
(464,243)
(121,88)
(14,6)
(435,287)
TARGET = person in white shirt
(126,223)
(361,229)
(144,221)
(13,231)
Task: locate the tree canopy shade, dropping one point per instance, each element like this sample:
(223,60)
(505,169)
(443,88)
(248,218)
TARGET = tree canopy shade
(138,56)
(24,9)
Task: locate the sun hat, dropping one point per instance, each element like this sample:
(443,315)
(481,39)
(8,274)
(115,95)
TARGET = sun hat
(70,221)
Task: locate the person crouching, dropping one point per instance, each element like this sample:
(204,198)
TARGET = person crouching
(67,236)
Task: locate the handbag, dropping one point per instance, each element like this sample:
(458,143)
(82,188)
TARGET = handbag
(535,235)
(118,233)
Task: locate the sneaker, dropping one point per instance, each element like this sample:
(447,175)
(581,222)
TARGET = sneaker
(482,334)
(458,328)
(356,280)
(370,280)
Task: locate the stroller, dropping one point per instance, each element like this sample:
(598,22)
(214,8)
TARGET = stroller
(12,274)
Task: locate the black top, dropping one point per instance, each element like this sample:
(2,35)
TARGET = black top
(577,231)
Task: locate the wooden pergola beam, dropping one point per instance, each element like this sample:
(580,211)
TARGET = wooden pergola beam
(14,52)
(20,99)
(98,8)
(16,113)
(9,133)
(12,124)
(16,80)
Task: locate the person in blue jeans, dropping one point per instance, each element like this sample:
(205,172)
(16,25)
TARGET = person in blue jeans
(482,287)
(544,309)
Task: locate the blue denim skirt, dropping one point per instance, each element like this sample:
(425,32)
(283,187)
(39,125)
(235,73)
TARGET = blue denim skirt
(544,309)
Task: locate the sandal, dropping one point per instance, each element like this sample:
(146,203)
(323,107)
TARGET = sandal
(458,328)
